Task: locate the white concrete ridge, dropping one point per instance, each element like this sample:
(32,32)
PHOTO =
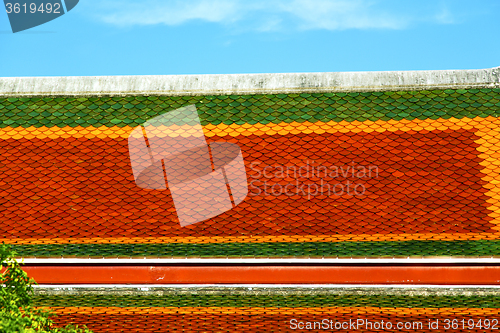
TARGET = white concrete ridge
(267,289)
(180,85)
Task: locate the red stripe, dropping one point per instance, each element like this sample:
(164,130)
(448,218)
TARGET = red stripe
(239,274)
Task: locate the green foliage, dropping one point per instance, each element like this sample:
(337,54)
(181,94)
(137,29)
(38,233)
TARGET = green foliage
(17,315)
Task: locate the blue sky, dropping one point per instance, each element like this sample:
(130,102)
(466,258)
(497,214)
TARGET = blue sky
(156,37)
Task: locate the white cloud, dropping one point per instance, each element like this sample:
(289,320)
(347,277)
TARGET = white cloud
(151,12)
(342,14)
(445,16)
(262,15)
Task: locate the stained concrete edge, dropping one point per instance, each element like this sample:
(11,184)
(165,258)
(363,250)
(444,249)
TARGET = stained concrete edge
(221,84)
(256,291)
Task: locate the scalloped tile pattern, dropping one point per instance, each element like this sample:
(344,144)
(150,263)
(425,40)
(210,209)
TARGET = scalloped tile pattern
(272,313)
(422,165)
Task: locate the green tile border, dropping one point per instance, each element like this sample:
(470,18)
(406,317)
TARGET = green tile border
(121,111)
(289,301)
(383,249)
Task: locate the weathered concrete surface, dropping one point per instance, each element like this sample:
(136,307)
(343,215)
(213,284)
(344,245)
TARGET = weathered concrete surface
(323,290)
(249,83)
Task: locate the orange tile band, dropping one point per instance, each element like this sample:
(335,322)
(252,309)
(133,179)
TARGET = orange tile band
(259,239)
(42,198)
(486,124)
(273,311)
(251,319)
(486,128)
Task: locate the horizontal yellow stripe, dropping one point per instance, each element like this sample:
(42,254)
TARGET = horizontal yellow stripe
(274,311)
(257,239)
(260,129)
